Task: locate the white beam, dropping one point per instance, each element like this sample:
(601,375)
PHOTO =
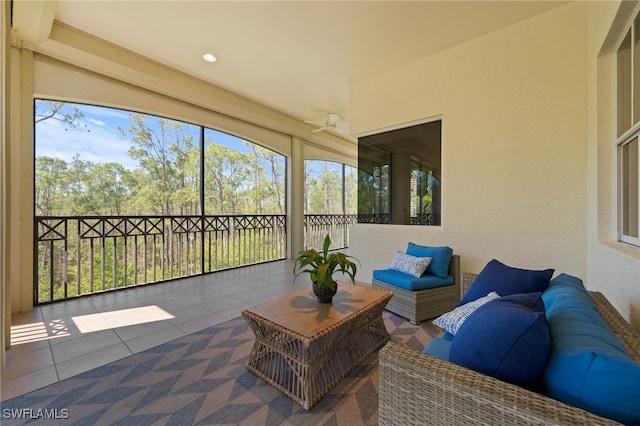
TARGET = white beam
(33,19)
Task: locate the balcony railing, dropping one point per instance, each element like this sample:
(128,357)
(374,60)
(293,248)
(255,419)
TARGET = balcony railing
(87,254)
(81,255)
(317,226)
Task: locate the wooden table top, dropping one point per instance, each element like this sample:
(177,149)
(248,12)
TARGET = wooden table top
(303,314)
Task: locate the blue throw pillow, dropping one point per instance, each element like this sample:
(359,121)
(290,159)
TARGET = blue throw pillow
(507,338)
(506,280)
(440,258)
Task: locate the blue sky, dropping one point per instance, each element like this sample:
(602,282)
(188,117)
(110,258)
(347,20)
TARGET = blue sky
(98,139)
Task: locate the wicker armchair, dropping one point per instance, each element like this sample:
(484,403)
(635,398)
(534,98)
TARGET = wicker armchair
(421,305)
(418,389)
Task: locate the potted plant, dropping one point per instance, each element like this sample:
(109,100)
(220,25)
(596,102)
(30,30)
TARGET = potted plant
(321,266)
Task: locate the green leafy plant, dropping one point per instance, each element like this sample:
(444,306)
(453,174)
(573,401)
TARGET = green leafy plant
(321,266)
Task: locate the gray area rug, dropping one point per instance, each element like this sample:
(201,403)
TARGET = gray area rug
(201,379)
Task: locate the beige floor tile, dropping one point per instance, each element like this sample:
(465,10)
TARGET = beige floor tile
(92,360)
(27,362)
(202,323)
(83,345)
(68,308)
(230,290)
(27,383)
(128,303)
(134,331)
(154,339)
(217,305)
(18,349)
(232,313)
(190,314)
(156,298)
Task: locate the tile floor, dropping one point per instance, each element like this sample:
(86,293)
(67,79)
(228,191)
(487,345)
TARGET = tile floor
(60,340)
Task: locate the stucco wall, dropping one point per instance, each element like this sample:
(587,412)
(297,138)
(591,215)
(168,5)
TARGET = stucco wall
(528,155)
(612,267)
(514,141)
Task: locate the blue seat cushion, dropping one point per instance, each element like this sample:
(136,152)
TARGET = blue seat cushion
(438,347)
(506,280)
(588,366)
(409,282)
(440,258)
(507,338)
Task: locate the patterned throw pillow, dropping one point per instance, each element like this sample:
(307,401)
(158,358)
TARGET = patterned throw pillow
(451,321)
(408,264)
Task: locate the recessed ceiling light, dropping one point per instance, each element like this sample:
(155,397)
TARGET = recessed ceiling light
(209,57)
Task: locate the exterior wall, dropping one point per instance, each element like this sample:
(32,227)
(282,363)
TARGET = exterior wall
(520,154)
(514,153)
(612,267)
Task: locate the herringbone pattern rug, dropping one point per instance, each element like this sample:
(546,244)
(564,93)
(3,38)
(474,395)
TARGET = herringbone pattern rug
(201,379)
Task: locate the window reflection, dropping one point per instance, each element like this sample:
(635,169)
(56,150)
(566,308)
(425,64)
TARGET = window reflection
(399,176)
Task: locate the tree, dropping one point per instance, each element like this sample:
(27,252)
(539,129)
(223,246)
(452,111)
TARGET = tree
(324,190)
(51,175)
(163,148)
(268,177)
(226,173)
(52,110)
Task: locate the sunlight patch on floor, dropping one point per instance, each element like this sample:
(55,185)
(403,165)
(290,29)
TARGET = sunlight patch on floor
(36,331)
(122,318)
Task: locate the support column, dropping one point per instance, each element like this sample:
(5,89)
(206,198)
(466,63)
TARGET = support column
(296,197)
(5,317)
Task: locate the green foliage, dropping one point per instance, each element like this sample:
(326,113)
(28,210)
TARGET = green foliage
(51,110)
(322,266)
(324,191)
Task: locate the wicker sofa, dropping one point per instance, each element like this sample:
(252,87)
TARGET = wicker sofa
(418,389)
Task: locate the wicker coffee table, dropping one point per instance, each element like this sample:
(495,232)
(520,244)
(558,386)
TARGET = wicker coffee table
(304,348)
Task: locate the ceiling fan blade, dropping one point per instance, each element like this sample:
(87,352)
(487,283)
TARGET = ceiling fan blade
(319,129)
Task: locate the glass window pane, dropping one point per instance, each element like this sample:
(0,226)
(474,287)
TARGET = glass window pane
(630,188)
(93,160)
(399,176)
(624,85)
(323,187)
(241,177)
(351,190)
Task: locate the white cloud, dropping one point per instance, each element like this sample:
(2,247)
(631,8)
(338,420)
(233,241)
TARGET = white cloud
(99,142)
(97,122)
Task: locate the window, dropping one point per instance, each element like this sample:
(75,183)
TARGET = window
(93,160)
(124,198)
(628,132)
(330,202)
(399,176)
(330,188)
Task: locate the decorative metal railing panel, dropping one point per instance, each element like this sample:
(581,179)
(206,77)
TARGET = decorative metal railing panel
(82,255)
(317,226)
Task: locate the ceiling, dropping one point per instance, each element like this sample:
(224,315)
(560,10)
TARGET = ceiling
(298,57)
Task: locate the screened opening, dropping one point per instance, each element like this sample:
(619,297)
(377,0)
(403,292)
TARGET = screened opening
(330,204)
(124,198)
